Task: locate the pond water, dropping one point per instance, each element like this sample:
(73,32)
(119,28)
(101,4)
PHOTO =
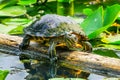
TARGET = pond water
(39,70)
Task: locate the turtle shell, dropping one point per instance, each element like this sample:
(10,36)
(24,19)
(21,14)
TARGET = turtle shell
(52,25)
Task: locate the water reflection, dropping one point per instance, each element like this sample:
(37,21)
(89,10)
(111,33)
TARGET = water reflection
(44,71)
(37,70)
(40,71)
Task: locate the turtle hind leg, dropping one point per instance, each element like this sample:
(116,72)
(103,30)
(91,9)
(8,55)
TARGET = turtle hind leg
(52,51)
(86,46)
(25,43)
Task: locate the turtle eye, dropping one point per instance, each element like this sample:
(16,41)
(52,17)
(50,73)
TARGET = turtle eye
(74,37)
(71,35)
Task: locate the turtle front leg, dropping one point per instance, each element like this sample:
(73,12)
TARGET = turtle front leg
(86,46)
(25,43)
(52,51)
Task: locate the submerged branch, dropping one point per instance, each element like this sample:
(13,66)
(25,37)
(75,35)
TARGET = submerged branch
(72,59)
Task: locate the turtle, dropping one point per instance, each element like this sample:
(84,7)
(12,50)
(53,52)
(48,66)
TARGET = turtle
(56,29)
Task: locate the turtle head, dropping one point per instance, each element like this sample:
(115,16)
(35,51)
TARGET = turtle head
(70,40)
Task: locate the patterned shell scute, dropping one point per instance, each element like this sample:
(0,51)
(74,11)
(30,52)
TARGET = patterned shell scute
(52,25)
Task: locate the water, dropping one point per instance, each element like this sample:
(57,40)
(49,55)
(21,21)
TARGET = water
(39,70)
(13,64)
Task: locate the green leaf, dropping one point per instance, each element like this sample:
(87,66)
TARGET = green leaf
(13,11)
(106,52)
(3,74)
(93,23)
(17,30)
(87,11)
(26,2)
(4,3)
(100,20)
(15,21)
(111,14)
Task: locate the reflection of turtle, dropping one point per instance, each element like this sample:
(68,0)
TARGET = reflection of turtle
(54,30)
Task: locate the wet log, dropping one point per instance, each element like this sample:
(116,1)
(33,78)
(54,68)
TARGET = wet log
(77,60)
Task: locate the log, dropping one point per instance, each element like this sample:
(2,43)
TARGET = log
(77,60)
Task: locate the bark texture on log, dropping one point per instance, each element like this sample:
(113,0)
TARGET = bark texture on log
(72,59)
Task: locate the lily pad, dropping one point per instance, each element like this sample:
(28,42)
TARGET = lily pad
(15,21)
(13,11)
(26,2)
